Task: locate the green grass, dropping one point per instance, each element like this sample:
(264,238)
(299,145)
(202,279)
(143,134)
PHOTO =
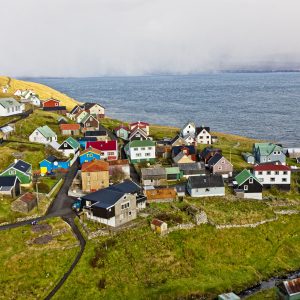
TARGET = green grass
(264,295)
(30,271)
(137,264)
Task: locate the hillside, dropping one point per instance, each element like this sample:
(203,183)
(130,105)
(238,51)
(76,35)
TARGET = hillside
(43,91)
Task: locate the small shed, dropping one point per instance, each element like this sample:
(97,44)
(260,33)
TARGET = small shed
(159,226)
(161,195)
(248,157)
(25,203)
(229,296)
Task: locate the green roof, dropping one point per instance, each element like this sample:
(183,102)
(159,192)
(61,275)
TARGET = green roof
(172,170)
(46,131)
(9,102)
(266,149)
(72,142)
(243,176)
(87,116)
(145,143)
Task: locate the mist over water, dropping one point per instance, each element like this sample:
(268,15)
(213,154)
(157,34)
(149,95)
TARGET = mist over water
(258,105)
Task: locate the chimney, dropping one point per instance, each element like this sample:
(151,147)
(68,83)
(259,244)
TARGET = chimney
(15,160)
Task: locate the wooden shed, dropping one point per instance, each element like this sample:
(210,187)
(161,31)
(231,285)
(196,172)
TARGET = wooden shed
(159,226)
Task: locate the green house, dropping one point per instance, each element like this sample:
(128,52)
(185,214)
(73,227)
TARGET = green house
(141,151)
(173,173)
(21,169)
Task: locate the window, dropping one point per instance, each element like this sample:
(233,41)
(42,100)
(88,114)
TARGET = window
(201,137)
(65,145)
(110,153)
(268,172)
(125,205)
(143,148)
(272,179)
(276,172)
(90,155)
(207,190)
(207,137)
(261,179)
(135,149)
(219,168)
(147,154)
(285,172)
(250,180)
(245,187)
(138,155)
(56,104)
(129,213)
(87,124)
(284,180)
(149,148)
(12,172)
(260,173)
(223,162)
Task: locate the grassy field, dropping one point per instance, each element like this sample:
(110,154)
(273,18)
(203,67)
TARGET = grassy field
(29,270)
(264,295)
(137,264)
(43,91)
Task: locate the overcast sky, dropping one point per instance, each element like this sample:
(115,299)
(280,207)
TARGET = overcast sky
(134,37)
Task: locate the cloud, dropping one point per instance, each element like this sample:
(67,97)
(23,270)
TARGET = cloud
(133,37)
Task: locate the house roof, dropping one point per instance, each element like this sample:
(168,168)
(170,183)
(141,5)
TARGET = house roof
(139,123)
(6,129)
(137,143)
(153,171)
(90,149)
(69,126)
(175,138)
(46,131)
(138,130)
(200,129)
(103,145)
(9,102)
(172,170)
(266,149)
(22,166)
(95,166)
(89,105)
(208,150)
(87,139)
(52,159)
(191,166)
(247,154)
(243,176)
(215,159)
(7,181)
(127,186)
(163,193)
(51,99)
(74,109)
(271,167)
(177,149)
(122,127)
(157,222)
(86,117)
(119,162)
(28,197)
(96,133)
(206,181)
(292,286)
(188,123)
(72,142)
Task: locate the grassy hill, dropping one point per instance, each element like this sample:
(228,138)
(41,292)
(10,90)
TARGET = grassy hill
(43,91)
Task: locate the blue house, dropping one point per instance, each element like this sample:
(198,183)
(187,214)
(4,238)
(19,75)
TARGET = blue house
(89,154)
(52,163)
(83,141)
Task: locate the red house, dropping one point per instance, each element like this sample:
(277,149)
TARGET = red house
(51,103)
(109,149)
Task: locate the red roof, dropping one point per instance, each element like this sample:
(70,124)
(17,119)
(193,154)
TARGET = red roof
(121,126)
(157,222)
(69,126)
(103,145)
(139,123)
(271,167)
(90,149)
(119,162)
(95,166)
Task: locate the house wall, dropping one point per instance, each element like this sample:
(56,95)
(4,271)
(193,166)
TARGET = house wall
(271,158)
(128,214)
(204,137)
(97,110)
(110,221)
(142,153)
(89,156)
(94,181)
(70,132)
(223,166)
(37,137)
(24,178)
(253,187)
(189,129)
(206,192)
(122,133)
(50,103)
(279,178)
(14,110)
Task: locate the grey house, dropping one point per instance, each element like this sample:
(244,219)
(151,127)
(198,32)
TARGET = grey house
(249,158)
(153,176)
(10,186)
(268,152)
(206,186)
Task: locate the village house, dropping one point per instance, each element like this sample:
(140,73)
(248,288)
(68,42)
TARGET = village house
(51,103)
(7,131)
(288,289)
(83,141)
(120,165)
(218,164)
(43,135)
(189,151)
(249,158)
(181,158)
(100,135)
(69,147)
(69,129)
(10,106)
(52,163)
(94,109)
(208,152)
(21,169)
(94,175)
(178,141)
(115,205)
(62,120)
(173,173)
(180,189)
(109,149)
(163,151)
(10,186)
(89,154)
(89,123)
(189,140)
(75,110)
(153,176)
(159,226)
(141,125)
(122,132)
(203,135)
(268,152)
(25,203)
(80,116)
(206,186)
(191,169)
(138,151)
(161,195)
(138,134)
(293,152)
(247,186)
(189,129)
(273,174)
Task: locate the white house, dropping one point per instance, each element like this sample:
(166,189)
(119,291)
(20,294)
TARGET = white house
(203,135)
(43,135)
(188,129)
(95,109)
(69,147)
(109,149)
(18,93)
(273,174)
(139,151)
(188,139)
(10,106)
(34,100)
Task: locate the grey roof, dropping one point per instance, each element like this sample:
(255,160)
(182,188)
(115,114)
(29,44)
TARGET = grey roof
(95,133)
(6,129)
(181,188)
(9,102)
(199,129)
(214,159)
(206,181)
(153,171)
(191,166)
(127,186)
(7,181)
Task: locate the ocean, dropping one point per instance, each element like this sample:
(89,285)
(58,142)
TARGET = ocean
(258,105)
